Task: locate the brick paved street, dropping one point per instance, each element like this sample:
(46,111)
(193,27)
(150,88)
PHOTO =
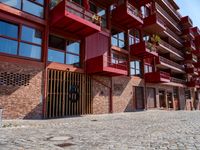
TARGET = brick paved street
(136,131)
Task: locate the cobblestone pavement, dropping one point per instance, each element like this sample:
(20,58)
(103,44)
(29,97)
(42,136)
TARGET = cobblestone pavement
(146,130)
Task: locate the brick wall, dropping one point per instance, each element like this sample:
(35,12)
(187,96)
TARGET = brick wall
(100,94)
(16,99)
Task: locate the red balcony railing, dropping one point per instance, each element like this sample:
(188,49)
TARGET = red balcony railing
(174,11)
(106,65)
(188,34)
(68,16)
(143,49)
(153,22)
(171,63)
(176,80)
(168,17)
(190,45)
(165,44)
(186,22)
(157,77)
(132,17)
(174,36)
(196,31)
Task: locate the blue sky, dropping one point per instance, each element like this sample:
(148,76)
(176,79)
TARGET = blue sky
(190,8)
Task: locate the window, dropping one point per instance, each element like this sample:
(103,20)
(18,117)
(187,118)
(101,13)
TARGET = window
(9,30)
(135,68)
(64,51)
(73,53)
(118,39)
(28,45)
(35,7)
(80,2)
(134,37)
(148,68)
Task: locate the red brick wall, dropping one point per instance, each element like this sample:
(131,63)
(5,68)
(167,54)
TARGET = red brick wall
(21,101)
(100,94)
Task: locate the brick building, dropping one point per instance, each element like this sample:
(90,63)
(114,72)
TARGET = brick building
(72,57)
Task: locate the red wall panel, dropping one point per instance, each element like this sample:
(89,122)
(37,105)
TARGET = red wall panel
(97,44)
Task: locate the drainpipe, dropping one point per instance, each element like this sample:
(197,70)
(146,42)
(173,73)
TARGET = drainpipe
(45,51)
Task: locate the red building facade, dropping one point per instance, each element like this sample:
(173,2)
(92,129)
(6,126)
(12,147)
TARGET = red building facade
(75,57)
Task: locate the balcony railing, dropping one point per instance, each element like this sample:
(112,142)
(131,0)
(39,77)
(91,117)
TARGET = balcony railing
(177,14)
(80,11)
(133,11)
(176,80)
(172,63)
(170,19)
(176,37)
(114,62)
(171,48)
(164,75)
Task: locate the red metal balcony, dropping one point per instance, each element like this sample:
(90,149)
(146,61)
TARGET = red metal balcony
(192,71)
(186,22)
(188,34)
(190,58)
(143,50)
(153,24)
(166,63)
(105,3)
(127,16)
(193,83)
(72,18)
(197,64)
(190,45)
(176,80)
(196,52)
(197,41)
(196,31)
(157,77)
(105,65)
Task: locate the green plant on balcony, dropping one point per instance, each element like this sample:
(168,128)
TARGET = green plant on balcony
(96,19)
(151,47)
(155,39)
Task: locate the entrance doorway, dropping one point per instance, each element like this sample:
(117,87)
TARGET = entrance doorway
(68,93)
(162,99)
(169,100)
(139,98)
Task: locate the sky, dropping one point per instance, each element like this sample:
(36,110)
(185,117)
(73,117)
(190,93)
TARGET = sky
(190,8)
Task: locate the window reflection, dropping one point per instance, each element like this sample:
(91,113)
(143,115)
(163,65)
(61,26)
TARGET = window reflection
(8,29)
(29,50)
(56,56)
(34,7)
(8,46)
(31,35)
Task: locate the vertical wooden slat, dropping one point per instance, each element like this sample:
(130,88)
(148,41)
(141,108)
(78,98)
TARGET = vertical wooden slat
(54,93)
(67,98)
(60,93)
(70,81)
(64,92)
(50,93)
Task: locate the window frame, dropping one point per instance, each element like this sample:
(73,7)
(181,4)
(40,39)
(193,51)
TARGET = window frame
(118,38)
(19,41)
(135,68)
(65,51)
(31,1)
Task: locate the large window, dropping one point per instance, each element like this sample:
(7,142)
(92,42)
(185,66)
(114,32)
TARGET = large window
(64,51)
(27,44)
(118,39)
(34,7)
(135,68)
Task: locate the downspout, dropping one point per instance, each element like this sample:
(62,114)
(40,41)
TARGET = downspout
(45,50)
